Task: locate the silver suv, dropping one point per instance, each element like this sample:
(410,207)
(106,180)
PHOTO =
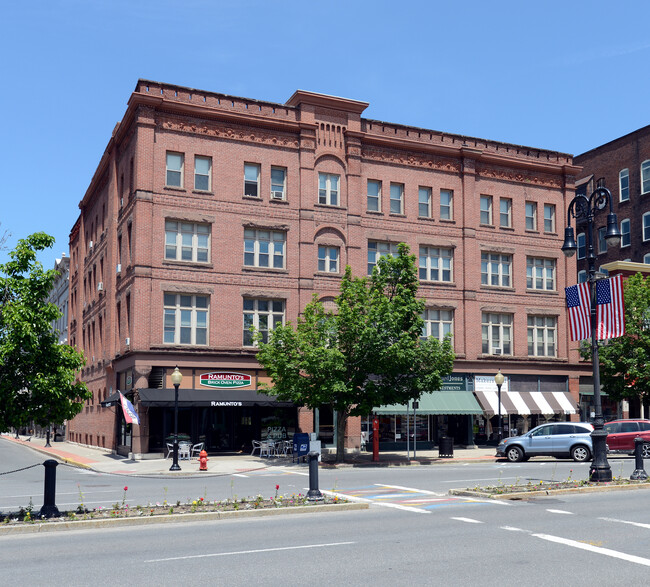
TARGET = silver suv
(558,439)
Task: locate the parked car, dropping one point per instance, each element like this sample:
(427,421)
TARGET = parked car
(557,439)
(621,435)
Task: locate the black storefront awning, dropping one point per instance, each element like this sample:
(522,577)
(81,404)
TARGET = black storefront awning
(217,398)
(111,400)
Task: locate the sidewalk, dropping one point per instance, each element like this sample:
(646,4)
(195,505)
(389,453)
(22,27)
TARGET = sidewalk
(102,460)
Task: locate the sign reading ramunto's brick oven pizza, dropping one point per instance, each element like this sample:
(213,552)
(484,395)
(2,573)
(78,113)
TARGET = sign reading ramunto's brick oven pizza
(225,380)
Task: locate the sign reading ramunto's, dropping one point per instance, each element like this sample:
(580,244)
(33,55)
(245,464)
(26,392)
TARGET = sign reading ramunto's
(225,380)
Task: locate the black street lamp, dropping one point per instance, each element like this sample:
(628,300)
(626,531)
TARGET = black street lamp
(177,377)
(499,379)
(583,208)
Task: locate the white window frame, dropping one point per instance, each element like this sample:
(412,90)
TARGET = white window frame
(437,323)
(645,176)
(187,241)
(505,213)
(645,227)
(373,199)
(378,249)
(264,315)
(582,276)
(278,187)
(436,264)
(531,218)
(186,317)
(496,267)
(542,332)
(252,184)
(540,274)
(582,245)
(328,258)
(396,198)
(199,175)
(549,218)
(626,239)
(446,204)
(424,202)
(264,248)
(329,186)
(171,171)
(496,333)
(646,258)
(486,210)
(624,185)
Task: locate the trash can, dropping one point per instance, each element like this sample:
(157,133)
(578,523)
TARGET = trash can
(300,445)
(446,447)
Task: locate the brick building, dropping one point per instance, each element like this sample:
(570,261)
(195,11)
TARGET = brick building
(623,166)
(210,213)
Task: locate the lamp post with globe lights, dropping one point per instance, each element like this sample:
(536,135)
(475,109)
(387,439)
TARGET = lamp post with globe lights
(499,379)
(177,377)
(584,208)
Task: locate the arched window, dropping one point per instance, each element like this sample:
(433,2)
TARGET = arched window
(645,177)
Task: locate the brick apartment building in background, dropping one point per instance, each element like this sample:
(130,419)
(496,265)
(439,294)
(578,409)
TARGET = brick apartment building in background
(210,213)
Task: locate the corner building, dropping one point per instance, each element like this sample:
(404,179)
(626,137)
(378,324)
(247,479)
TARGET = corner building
(210,213)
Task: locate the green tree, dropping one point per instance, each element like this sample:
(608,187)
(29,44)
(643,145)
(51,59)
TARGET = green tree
(37,374)
(366,354)
(625,361)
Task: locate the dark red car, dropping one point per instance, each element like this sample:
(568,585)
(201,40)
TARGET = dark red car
(621,435)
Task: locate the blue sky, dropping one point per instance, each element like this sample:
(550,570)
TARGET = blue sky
(565,76)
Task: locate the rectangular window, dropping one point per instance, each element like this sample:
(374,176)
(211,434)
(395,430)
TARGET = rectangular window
(549,217)
(625,233)
(436,264)
(202,173)
(174,177)
(437,323)
(446,205)
(424,202)
(263,316)
(495,269)
(252,180)
(540,274)
(582,245)
(328,259)
(646,226)
(496,334)
(645,177)
(624,185)
(505,213)
(531,216)
(396,198)
(186,319)
(602,243)
(582,276)
(264,248)
(378,249)
(278,183)
(328,189)
(486,209)
(542,335)
(187,241)
(374,195)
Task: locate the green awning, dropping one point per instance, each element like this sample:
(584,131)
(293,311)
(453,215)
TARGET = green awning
(438,402)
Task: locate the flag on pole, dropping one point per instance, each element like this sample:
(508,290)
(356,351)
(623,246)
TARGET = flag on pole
(610,309)
(578,302)
(130,414)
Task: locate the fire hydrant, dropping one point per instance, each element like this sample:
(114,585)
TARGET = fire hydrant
(203,461)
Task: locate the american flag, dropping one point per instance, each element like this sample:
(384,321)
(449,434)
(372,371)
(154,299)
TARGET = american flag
(610,310)
(578,302)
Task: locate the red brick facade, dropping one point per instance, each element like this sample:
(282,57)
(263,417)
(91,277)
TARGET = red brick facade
(124,211)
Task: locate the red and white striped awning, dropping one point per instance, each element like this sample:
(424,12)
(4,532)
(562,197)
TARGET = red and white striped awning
(526,402)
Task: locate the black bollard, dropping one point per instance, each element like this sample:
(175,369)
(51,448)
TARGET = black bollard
(639,472)
(314,493)
(49,508)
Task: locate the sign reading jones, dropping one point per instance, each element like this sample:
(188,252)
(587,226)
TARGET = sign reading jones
(225,380)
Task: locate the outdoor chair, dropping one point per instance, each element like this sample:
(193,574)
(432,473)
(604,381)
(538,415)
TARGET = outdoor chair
(170,449)
(196,450)
(257,446)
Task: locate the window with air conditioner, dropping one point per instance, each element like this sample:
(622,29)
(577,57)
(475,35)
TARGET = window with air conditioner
(496,333)
(278,183)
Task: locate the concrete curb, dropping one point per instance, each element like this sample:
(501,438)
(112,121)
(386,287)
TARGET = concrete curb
(521,495)
(40,527)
